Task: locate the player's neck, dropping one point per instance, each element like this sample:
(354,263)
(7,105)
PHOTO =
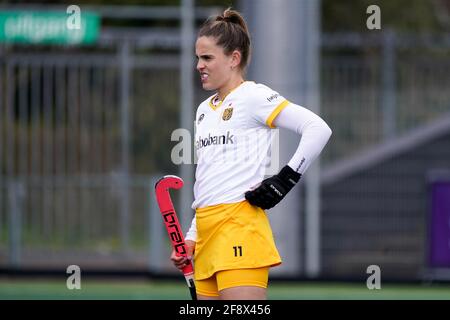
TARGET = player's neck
(230,86)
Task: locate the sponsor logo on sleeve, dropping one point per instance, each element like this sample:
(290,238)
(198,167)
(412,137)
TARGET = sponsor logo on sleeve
(273,97)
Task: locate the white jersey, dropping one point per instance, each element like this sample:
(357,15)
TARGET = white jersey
(233,140)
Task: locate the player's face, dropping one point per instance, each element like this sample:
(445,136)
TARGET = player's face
(214,66)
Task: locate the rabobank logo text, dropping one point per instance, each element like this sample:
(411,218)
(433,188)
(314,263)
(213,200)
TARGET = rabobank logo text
(214,140)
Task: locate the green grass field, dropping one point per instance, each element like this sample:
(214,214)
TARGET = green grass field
(171,290)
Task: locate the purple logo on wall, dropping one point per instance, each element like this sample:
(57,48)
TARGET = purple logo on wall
(440,225)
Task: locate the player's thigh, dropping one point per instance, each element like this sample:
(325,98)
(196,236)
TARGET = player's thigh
(243,293)
(248,284)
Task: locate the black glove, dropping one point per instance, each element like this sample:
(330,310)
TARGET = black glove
(272,190)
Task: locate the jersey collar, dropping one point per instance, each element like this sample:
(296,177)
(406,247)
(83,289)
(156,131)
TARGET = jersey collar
(215,103)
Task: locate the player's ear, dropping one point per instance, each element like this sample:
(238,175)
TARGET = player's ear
(236,57)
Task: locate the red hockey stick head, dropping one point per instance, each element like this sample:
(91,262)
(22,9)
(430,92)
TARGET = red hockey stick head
(162,188)
(169,182)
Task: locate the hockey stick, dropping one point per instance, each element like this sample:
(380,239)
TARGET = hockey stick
(172,224)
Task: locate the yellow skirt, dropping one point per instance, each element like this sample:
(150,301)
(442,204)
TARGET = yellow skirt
(233,236)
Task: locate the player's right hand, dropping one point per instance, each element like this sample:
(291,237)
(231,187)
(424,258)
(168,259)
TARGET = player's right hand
(272,190)
(179,261)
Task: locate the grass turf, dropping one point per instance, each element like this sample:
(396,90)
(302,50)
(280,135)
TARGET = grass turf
(174,290)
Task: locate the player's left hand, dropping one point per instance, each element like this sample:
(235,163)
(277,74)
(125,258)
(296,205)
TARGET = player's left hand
(272,190)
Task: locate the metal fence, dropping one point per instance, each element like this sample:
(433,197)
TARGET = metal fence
(398,84)
(65,142)
(83,132)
